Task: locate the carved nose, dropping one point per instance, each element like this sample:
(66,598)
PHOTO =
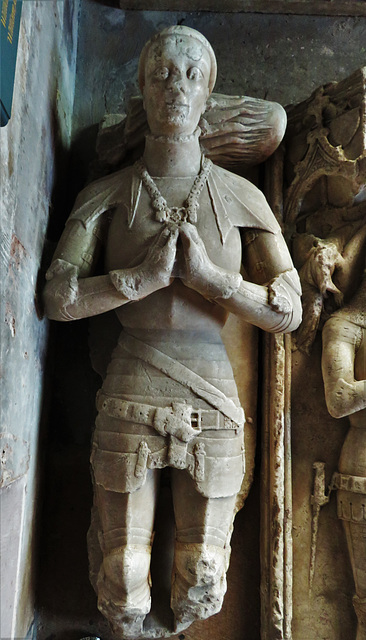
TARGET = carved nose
(175,83)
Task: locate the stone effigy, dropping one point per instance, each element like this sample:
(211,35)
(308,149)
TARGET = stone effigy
(324,213)
(169,228)
(344,374)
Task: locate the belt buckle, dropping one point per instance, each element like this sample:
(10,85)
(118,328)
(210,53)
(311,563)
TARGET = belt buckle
(196,420)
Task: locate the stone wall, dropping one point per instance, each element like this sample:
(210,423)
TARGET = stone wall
(32,148)
(277,57)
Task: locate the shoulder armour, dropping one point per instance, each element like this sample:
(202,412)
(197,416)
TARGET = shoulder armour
(238,203)
(102,195)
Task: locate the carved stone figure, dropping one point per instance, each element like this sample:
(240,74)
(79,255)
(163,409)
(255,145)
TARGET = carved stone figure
(344,373)
(328,273)
(169,227)
(324,176)
(317,179)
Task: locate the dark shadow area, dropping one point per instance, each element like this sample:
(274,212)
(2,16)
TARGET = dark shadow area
(106,3)
(162,558)
(65,601)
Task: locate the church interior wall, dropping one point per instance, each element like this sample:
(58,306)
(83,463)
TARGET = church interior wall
(32,150)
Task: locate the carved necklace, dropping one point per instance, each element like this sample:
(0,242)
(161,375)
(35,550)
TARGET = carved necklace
(164,213)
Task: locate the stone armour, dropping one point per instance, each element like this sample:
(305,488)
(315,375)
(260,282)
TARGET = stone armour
(123,449)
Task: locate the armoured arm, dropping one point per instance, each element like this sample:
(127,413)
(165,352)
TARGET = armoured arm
(270,301)
(273,307)
(72,292)
(344,394)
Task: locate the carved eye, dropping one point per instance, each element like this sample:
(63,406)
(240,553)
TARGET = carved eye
(161,73)
(194,73)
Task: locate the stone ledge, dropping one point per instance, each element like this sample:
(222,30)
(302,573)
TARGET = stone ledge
(295,7)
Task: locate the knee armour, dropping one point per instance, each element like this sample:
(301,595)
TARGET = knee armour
(199,581)
(123,588)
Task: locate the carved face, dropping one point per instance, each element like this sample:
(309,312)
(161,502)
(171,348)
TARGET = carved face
(177,76)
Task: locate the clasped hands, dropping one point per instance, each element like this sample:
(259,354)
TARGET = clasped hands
(163,263)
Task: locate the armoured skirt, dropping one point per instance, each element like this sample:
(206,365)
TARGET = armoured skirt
(149,420)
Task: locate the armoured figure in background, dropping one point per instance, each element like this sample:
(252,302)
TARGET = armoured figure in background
(344,374)
(169,227)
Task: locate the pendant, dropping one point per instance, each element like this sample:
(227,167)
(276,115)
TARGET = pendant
(178,214)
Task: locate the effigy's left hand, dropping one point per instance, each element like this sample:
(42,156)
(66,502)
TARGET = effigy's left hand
(201,274)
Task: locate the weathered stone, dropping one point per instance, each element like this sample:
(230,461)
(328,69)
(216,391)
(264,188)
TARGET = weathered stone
(344,374)
(235,132)
(329,177)
(308,7)
(169,397)
(324,207)
(32,147)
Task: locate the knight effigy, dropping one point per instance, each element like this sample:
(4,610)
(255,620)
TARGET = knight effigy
(173,230)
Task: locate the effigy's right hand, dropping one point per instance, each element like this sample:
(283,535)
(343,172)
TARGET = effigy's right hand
(154,273)
(160,257)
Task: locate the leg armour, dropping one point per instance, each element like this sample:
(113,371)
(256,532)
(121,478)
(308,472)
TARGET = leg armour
(199,582)
(351,500)
(123,589)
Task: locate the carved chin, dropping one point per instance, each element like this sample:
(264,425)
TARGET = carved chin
(178,119)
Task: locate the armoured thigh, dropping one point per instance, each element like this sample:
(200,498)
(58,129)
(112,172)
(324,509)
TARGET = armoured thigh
(121,452)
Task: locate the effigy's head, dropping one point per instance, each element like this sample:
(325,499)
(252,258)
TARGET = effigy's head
(355,309)
(177,72)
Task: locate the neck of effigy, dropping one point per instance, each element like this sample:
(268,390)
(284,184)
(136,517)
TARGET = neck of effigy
(176,156)
(355,309)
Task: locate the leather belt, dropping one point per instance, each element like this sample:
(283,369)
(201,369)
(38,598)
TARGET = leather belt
(159,417)
(354,484)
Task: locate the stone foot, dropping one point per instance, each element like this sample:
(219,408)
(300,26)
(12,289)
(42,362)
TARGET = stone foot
(125,622)
(199,583)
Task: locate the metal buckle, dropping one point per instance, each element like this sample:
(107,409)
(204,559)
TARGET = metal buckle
(196,419)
